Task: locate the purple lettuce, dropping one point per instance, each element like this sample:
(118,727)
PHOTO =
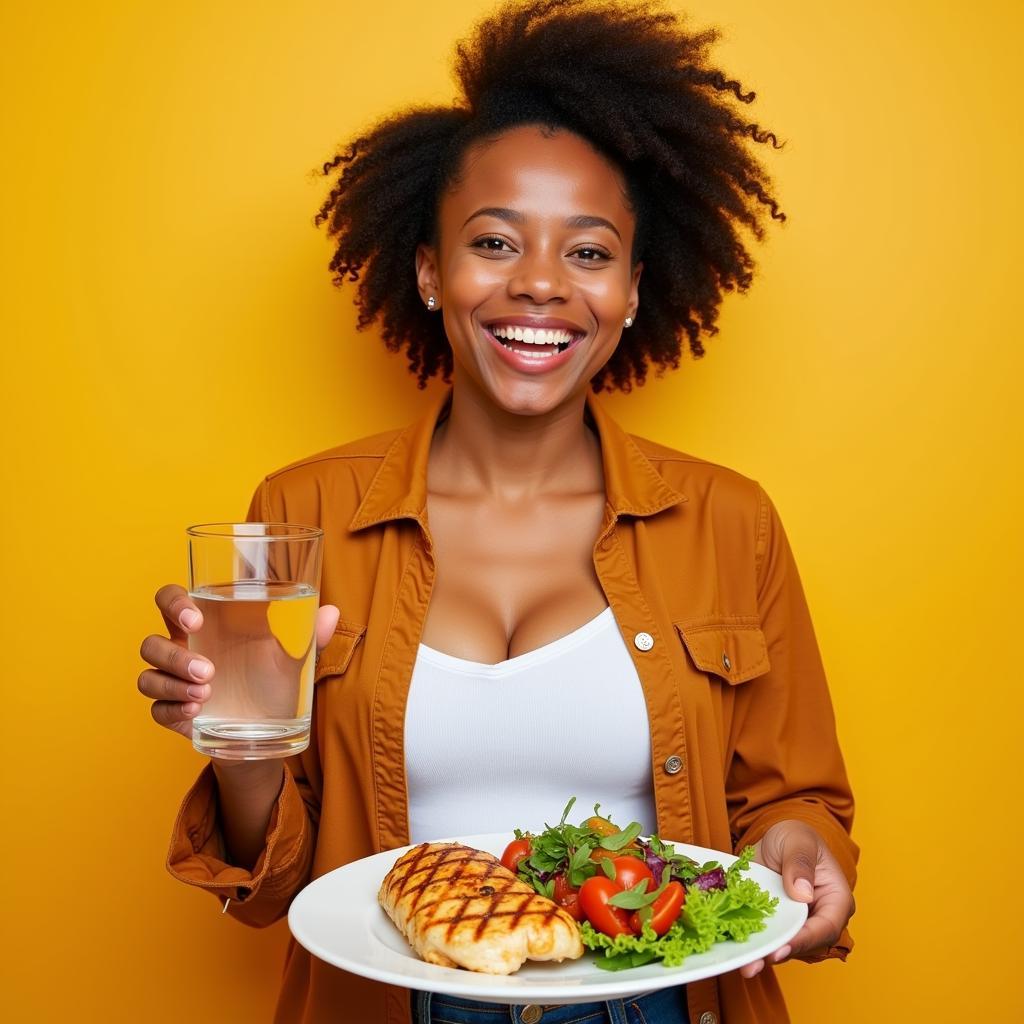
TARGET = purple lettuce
(714,879)
(656,864)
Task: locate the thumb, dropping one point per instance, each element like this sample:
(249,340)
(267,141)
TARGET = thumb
(326,623)
(799,860)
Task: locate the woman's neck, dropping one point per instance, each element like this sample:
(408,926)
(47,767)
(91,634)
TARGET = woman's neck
(483,450)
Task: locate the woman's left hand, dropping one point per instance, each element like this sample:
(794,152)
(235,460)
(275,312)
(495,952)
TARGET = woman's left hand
(811,875)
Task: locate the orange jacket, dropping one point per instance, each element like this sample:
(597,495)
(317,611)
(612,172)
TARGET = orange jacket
(742,730)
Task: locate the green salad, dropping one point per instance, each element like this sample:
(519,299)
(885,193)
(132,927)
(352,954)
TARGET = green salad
(637,900)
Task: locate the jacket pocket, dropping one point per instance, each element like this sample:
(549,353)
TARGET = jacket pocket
(732,648)
(335,657)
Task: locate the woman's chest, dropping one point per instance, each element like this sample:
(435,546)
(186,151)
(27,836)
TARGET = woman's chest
(511,577)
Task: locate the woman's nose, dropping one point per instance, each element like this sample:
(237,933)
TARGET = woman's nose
(539,276)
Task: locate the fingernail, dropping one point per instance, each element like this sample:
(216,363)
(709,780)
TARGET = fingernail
(189,710)
(757,970)
(199,670)
(189,618)
(803,889)
(782,953)
(198,692)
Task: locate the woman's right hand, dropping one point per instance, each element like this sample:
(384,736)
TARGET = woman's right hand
(180,681)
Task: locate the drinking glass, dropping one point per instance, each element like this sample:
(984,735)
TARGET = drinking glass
(258,587)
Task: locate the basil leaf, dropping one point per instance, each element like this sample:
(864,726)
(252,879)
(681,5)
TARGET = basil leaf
(581,867)
(620,839)
(579,875)
(635,898)
(608,866)
(581,856)
(542,862)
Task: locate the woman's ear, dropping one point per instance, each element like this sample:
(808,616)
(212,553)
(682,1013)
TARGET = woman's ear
(427,277)
(634,290)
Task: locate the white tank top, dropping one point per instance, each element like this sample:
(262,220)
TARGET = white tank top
(490,748)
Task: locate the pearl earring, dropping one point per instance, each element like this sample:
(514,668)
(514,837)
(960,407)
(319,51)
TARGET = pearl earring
(629,321)
(431,303)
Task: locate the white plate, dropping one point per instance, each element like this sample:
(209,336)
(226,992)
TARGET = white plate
(338,919)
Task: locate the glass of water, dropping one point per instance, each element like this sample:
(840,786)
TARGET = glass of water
(258,587)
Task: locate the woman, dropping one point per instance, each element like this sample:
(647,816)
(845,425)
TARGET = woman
(534,603)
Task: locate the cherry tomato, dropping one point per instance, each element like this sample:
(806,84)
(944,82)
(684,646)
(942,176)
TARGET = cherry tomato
(664,911)
(563,888)
(602,826)
(631,870)
(567,896)
(571,905)
(594,896)
(515,852)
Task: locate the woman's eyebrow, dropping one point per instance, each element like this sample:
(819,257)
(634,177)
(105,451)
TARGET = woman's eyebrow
(501,212)
(586,221)
(515,217)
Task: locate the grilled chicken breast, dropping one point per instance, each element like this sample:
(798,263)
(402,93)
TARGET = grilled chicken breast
(459,907)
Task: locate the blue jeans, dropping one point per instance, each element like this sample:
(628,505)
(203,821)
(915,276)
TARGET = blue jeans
(665,1007)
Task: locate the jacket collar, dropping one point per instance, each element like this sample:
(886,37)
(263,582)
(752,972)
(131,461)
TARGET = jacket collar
(399,488)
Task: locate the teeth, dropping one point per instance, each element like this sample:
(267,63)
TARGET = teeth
(531,335)
(537,355)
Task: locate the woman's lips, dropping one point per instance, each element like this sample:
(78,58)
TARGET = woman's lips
(531,357)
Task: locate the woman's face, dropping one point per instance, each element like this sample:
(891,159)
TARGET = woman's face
(532,269)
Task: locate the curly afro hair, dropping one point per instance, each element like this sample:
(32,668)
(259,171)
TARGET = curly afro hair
(633,82)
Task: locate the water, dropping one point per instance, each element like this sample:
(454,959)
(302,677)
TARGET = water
(261,640)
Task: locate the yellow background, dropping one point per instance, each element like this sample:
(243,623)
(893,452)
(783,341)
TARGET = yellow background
(170,334)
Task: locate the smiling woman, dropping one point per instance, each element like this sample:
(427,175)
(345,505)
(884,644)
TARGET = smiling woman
(525,584)
(640,88)
(533,267)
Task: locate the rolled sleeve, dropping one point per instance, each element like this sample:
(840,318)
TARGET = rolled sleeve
(197,857)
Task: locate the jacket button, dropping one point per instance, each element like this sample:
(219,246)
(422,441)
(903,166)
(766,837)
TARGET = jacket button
(643,641)
(673,765)
(726,662)
(531,1014)
(707,1017)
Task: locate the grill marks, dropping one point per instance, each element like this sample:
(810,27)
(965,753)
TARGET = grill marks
(518,914)
(457,905)
(493,883)
(456,858)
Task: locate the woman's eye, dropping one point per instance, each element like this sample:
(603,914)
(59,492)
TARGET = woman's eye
(589,254)
(492,244)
